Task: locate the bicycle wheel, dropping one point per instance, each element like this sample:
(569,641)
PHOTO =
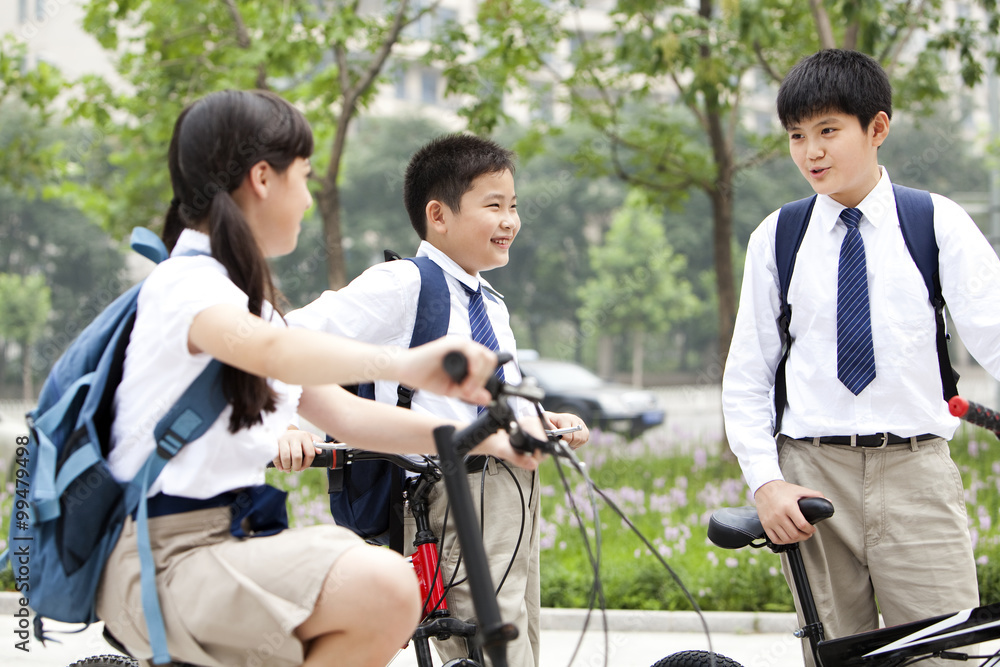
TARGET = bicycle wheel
(106,661)
(696,659)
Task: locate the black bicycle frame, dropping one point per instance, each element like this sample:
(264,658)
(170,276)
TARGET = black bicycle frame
(887,647)
(452,447)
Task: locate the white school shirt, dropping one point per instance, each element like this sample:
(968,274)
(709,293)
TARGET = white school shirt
(159,367)
(905,398)
(380,307)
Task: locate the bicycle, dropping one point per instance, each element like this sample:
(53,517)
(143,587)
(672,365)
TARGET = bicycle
(905,644)
(452,446)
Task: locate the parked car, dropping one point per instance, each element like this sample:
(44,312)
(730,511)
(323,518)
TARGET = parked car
(605,405)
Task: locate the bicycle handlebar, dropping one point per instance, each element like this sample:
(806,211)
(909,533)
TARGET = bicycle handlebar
(974,413)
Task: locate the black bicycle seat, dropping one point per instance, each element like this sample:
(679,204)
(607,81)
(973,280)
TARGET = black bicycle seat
(738,527)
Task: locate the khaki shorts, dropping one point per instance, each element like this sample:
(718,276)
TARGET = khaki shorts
(226,601)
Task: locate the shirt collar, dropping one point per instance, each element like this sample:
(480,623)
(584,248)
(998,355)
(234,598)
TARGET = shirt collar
(876,207)
(192,239)
(451,268)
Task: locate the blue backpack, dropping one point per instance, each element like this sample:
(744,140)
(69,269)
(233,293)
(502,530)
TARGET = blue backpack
(68,509)
(916,220)
(367,496)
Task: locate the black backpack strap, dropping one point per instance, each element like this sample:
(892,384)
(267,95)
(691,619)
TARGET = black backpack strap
(915,209)
(432,320)
(791,228)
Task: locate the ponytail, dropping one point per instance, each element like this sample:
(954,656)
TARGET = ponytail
(233,244)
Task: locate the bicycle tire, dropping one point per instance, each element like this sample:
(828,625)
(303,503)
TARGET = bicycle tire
(106,661)
(696,659)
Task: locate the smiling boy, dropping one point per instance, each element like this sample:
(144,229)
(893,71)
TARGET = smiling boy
(863,369)
(459,194)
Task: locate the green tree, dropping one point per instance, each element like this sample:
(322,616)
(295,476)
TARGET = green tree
(637,286)
(33,157)
(25,302)
(325,56)
(83,267)
(667,85)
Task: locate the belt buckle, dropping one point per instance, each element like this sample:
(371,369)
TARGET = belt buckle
(885,440)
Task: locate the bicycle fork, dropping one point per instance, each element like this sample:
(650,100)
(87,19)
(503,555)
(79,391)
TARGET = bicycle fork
(437,621)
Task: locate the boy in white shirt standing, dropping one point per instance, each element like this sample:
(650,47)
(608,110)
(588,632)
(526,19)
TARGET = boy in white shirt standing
(864,423)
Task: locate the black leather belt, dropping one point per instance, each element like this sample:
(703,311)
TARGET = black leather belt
(874,440)
(475,464)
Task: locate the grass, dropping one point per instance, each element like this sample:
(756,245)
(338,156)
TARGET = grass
(669,491)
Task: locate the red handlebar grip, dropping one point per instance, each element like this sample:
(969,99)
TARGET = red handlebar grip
(958,406)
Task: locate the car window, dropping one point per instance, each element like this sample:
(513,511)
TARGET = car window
(558,375)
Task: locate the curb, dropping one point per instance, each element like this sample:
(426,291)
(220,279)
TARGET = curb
(630,620)
(618,620)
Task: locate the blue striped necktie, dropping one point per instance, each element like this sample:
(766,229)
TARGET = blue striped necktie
(855,352)
(482,330)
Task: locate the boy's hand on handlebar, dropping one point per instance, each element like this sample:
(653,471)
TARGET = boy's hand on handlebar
(568,420)
(778,508)
(422,367)
(498,445)
(296,450)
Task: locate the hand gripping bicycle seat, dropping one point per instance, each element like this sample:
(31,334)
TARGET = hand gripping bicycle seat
(738,527)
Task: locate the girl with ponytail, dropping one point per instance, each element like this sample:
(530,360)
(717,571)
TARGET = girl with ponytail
(239,167)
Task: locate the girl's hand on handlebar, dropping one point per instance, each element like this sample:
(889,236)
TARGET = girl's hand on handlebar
(498,445)
(778,508)
(568,420)
(422,367)
(296,450)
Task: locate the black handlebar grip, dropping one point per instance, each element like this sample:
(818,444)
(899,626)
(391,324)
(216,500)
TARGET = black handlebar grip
(974,413)
(456,366)
(326,458)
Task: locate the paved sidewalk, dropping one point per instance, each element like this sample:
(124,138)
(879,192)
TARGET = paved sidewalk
(634,639)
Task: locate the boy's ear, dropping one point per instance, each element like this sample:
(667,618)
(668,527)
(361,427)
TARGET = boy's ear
(879,128)
(435,214)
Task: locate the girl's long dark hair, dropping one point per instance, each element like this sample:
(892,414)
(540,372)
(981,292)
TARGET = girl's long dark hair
(216,141)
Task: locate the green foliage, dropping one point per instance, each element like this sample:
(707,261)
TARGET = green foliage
(81,266)
(25,302)
(637,284)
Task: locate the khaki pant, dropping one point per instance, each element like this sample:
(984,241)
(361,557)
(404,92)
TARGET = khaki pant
(898,542)
(520,597)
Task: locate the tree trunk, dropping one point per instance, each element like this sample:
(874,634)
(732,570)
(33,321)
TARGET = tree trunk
(638,356)
(27,385)
(606,357)
(329,203)
(721,195)
(3,368)
(823,28)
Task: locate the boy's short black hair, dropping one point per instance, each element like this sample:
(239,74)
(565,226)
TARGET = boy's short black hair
(444,170)
(834,80)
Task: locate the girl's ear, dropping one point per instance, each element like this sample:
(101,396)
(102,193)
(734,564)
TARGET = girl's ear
(258,179)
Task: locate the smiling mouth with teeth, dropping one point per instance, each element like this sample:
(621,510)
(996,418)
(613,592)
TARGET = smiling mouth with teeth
(505,243)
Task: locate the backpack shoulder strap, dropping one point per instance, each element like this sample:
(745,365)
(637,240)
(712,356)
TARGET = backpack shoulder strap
(193,413)
(915,209)
(793,219)
(916,220)
(433,304)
